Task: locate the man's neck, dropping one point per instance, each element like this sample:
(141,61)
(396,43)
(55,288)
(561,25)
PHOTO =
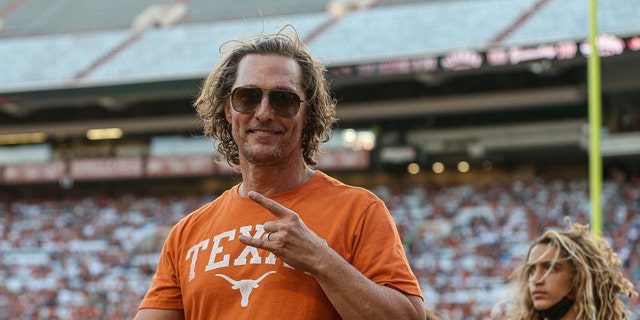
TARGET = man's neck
(273,180)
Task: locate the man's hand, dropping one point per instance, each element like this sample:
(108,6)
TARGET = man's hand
(288,237)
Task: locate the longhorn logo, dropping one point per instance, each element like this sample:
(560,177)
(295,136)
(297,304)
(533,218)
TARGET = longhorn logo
(245,286)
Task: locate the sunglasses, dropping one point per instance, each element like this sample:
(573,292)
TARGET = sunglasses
(284,103)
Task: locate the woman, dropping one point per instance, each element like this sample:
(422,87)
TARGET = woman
(568,275)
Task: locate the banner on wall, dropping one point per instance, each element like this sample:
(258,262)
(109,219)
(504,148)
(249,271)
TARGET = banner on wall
(106,168)
(469,59)
(194,165)
(51,171)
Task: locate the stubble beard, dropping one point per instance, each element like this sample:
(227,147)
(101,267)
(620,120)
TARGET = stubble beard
(261,157)
(257,153)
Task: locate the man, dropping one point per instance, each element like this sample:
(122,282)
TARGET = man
(288,242)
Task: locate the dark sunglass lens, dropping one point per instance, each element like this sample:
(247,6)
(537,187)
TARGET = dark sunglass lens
(284,103)
(246,99)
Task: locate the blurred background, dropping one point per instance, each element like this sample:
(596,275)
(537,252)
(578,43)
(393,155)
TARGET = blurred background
(468,118)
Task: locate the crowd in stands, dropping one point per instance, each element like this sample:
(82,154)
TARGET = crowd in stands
(93,257)
(464,241)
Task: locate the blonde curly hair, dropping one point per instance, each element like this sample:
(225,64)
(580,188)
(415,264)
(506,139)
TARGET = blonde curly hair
(215,90)
(597,278)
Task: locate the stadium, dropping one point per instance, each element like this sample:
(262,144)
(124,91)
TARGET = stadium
(468,118)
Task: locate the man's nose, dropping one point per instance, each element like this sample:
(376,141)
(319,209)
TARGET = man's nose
(264,109)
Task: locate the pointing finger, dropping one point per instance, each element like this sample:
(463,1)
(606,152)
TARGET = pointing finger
(274,207)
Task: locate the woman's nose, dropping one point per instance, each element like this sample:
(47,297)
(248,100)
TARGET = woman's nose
(537,277)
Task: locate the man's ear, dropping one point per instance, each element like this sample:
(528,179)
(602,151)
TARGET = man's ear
(227,112)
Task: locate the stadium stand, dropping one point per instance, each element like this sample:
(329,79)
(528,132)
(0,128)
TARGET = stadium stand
(450,26)
(500,84)
(34,18)
(567,20)
(93,257)
(30,18)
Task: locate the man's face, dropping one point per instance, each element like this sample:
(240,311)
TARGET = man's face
(263,137)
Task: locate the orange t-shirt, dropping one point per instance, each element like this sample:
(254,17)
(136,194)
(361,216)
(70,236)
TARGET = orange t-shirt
(206,271)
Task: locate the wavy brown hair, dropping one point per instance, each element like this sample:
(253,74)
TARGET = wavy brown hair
(216,87)
(597,278)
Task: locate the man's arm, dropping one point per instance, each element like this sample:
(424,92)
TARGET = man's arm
(159,314)
(357,297)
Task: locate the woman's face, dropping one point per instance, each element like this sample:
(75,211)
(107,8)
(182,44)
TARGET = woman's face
(549,282)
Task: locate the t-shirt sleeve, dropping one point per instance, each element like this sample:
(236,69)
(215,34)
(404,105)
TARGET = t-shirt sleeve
(165,291)
(379,253)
